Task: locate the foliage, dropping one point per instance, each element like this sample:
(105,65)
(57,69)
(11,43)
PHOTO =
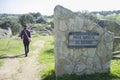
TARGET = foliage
(104,13)
(52,24)
(36,15)
(41,20)
(15,26)
(88,16)
(37,25)
(26,19)
(113,17)
(9,17)
(17,21)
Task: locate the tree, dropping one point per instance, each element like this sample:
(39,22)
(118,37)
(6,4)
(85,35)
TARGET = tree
(52,24)
(41,20)
(15,26)
(36,15)
(26,19)
(90,16)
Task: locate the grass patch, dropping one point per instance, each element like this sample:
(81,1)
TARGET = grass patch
(97,76)
(115,67)
(13,46)
(50,75)
(46,57)
(47,53)
(10,46)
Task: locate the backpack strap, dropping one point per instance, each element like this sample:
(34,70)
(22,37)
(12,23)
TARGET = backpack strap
(26,34)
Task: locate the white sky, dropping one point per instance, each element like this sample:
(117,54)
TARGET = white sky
(46,7)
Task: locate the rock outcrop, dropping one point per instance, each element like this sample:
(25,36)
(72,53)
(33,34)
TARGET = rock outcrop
(5,33)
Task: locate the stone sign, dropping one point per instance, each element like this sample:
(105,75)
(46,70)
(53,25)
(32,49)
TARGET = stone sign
(83,39)
(95,44)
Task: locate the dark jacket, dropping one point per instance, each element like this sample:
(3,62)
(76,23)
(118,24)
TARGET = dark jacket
(24,36)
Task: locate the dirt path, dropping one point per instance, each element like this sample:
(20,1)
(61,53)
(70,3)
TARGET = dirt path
(22,68)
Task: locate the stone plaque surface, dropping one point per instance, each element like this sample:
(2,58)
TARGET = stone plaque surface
(83,39)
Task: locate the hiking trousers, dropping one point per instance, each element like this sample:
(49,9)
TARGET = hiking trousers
(26,46)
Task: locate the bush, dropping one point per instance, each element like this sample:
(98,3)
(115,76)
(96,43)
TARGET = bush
(15,26)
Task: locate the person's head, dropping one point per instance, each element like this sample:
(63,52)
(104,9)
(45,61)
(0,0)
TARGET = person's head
(25,26)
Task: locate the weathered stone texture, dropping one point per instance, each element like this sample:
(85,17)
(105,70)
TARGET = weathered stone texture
(79,60)
(5,33)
